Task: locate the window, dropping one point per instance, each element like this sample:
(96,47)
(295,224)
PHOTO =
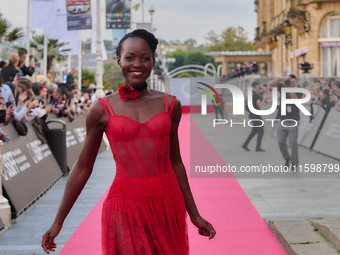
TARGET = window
(330,46)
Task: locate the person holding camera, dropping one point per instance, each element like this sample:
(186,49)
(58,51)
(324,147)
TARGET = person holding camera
(6,117)
(257,101)
(289,130)
(26,70)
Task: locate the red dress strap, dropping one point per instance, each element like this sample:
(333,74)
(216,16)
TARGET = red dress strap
(173,102)
(106,107)
(166,102)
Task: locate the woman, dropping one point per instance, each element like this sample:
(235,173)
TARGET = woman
(145,210)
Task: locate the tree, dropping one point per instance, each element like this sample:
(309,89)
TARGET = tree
(87,77)
(231,39)
(7,34)
(53,49)
(189,57)
(113,77)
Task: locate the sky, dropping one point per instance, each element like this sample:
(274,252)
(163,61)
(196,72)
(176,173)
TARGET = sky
(175,19)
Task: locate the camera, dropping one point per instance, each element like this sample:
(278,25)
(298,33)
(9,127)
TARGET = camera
(3,116)
(8,104)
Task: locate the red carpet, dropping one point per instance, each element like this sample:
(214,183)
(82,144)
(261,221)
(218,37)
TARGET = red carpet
(240,229)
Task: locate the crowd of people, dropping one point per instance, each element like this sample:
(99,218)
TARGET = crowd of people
(23,101)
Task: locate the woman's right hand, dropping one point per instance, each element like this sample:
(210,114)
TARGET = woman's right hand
(48,243)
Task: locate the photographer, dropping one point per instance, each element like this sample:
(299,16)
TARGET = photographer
(40,92)
(257,101)
(54,97)
(289,130)
(26,70)
(6,117)
(64,104)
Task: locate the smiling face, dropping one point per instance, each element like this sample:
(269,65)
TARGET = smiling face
(136,61)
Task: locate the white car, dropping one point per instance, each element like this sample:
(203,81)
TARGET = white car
(78,8)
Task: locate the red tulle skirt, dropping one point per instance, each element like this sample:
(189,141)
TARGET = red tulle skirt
(148,219)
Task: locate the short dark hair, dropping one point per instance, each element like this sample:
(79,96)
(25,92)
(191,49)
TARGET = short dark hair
(255,83)
(36,87)
(2,63)
(22,51)
(139,33)
(292,76)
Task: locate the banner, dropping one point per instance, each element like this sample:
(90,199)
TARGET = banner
(73,45)
(308,128)
(75,135)
(29,168)
(78,14)
(328,141)
(43,13)
(118,14)
(59,29)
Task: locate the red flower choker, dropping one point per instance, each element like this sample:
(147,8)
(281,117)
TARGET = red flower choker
(128,92)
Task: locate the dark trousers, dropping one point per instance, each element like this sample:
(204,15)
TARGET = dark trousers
(219,110)
(255,130)
(292,132)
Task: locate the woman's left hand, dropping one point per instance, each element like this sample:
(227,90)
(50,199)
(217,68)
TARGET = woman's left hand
(204,227)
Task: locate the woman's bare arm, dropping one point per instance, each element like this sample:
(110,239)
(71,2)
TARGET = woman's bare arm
(205,228)
(80,173)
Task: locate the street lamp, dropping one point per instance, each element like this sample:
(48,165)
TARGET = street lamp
(151,11)
(288,33)
(270,43)
(275,42)
(287,28)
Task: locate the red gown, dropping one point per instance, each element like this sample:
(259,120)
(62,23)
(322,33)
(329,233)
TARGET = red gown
(144,212)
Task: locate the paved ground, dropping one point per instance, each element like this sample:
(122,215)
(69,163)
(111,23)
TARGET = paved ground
(291,196)
(24,237)
(290,202)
